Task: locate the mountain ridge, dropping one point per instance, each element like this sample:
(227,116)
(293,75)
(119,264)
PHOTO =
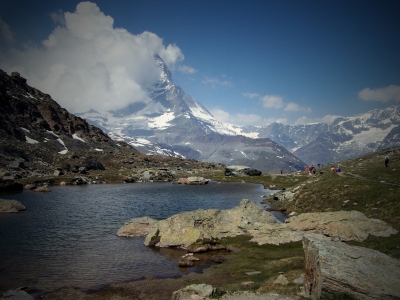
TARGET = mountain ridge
(174,120)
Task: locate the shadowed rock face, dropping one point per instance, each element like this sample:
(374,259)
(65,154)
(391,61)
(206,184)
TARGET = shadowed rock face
(336,268)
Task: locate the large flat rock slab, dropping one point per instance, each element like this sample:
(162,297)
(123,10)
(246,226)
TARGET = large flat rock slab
(334,267)
(340,225)
(186,228)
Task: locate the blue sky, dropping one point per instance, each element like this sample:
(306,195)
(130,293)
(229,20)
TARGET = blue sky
(247,62)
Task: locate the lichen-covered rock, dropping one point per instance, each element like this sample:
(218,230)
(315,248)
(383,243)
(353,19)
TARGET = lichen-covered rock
(332,267)
(186,228)
(341,225)
(137,227)
(10,206)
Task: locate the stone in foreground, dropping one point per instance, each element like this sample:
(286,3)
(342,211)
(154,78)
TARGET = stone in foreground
(332,267)
(194,291)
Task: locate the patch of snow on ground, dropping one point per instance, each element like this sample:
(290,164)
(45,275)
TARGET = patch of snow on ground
(97,149)
(31,141)
(77,137)
(24,129)
(61,142)
(63,151)
(51,132)
(244,154)
(143,141)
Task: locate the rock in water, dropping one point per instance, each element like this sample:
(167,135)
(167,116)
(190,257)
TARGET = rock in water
(11,206)
(137,227)
(333,267)
(186,228)
(193,180)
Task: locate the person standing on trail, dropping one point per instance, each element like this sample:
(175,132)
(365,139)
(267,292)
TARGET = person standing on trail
(386,161)
(281,171)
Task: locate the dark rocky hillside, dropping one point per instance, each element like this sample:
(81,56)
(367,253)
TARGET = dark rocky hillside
(38,137)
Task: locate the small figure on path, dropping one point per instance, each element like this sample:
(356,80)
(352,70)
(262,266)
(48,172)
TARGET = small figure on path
(386,161)
(281,171)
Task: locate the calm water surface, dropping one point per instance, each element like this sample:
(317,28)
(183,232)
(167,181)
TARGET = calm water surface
(67,237)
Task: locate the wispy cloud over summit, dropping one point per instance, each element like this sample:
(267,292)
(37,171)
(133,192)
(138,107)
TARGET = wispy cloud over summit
(87,63)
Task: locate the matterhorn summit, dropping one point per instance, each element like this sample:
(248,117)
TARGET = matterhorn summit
(173,123)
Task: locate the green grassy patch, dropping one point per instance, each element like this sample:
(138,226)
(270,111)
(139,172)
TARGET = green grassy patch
(268,260)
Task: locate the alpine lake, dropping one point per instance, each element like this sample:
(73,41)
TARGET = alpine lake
(67,237)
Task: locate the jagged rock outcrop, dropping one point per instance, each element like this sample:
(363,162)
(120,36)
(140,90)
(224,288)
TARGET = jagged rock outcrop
(332,267)
(186,228)
(137,227)
(11,206)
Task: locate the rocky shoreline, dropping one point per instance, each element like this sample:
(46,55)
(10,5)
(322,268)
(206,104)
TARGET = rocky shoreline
(328,261)
(322,235)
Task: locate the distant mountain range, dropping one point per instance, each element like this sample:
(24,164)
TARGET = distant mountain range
(176,125)
(173,123)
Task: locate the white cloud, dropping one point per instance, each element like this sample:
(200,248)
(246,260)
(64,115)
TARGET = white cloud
(221,115)
(389,93)
(186,69)
(291,106)
(87,63)
(215,81)
(272,101)
(5,33)
(251,95)
(58,17)
(326,119)
(247,119)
